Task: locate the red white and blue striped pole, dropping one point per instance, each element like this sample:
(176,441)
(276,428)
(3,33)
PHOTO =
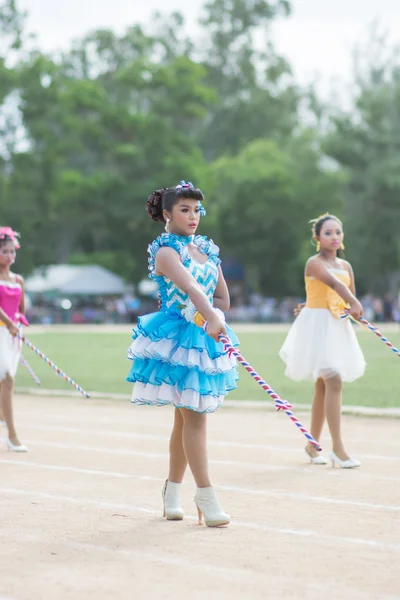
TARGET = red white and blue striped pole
(280,404)
(52,365)
(374,330)
(31,372)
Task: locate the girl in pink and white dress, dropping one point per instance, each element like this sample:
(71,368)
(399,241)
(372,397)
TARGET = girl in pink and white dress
(12,310)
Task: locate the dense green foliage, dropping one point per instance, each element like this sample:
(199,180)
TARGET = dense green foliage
(86,135)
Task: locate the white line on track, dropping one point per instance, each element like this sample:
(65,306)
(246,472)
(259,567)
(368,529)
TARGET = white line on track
(240,490)
(213,427)
(306,469)
(219,443)
(242,524)
(202,569)
(180,563)
(151,455)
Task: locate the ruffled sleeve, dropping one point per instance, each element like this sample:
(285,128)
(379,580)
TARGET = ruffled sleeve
(208,247)
(171,241)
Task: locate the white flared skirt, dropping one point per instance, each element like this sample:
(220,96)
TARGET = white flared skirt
(10,351)
(320,346)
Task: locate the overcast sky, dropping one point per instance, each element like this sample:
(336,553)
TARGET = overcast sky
(318,38)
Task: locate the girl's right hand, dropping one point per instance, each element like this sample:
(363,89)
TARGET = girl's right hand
(216,326)
(356,310)
(13,329)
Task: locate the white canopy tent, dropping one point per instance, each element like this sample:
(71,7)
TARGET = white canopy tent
(74,280)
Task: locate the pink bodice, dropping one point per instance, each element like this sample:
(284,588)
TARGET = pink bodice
(10,298)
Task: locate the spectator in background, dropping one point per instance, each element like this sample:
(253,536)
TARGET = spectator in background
(388,308)
(377,306)
(367,302)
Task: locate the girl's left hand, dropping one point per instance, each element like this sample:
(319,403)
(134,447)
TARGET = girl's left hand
(13,329)
(299,308)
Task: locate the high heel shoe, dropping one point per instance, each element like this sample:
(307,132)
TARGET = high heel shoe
(13,448)
(316,460)
(173,510)
(350,463)
(208,505)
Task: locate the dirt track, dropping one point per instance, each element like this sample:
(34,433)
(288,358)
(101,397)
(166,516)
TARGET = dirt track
(81,512)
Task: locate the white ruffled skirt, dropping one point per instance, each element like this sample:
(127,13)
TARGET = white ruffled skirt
(320,346)
(10,351)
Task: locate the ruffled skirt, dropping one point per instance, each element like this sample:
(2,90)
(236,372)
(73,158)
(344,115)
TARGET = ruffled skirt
(320,346)
(176,362)
(10,351)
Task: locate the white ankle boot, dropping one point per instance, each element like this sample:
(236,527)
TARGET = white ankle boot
(173,510)
(207,504)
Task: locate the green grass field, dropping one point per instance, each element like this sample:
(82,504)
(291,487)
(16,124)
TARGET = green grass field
(97,362)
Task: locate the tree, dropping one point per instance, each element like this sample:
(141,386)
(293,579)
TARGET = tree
(365,142)
(105,125)
(11,35)
(256,97)
(12,22)
(264,198)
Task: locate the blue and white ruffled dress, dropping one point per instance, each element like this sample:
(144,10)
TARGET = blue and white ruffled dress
(174,360)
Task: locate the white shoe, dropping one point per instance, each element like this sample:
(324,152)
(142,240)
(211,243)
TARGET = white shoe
(208,505)
(173,510)
(350,463)
(316,460)
(13,448)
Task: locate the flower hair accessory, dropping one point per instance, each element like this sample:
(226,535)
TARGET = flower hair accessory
(10,233)
(189,185)
(182,185)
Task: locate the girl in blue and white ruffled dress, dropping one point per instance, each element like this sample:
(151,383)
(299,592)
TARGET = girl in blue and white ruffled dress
(175,361)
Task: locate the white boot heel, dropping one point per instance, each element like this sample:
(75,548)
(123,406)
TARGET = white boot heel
(173,510)
(208,505)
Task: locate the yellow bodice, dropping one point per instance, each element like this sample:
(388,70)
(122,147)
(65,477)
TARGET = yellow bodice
(320,295)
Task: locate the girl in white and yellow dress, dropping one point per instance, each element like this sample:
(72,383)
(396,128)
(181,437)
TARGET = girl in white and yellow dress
(320,345)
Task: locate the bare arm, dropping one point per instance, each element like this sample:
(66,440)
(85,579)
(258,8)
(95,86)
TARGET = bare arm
(316,268)
(168,263)
(352,281)
(221,295)
(22,303)
(9,323)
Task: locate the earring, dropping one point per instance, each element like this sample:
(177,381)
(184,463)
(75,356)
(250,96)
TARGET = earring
(318,246)
(166,224)
(342,246)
